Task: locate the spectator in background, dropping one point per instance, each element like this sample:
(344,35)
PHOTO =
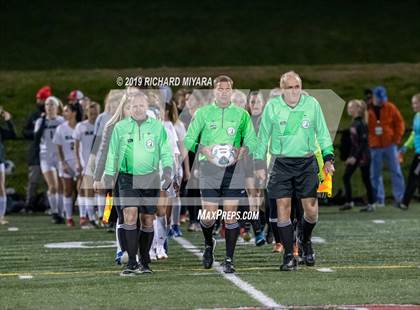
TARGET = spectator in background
(412,141)
(34,169)
(386,129)
(189,185)
(7,132)
(180,99)
(75,96)
(359,155)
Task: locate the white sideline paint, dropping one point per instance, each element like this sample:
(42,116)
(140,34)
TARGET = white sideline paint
(318,240)
(12,229)
(25,276)
(325,270)
(379,221)
(244,286)
(81,245)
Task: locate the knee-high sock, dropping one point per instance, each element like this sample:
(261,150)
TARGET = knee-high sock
(52,200)
(286,234)
(176,211)
(60,204)
(275,229)
(307,227)
(131,236)
(161,230)
(256,226)
(100,201)
(68,207)
(3,205)
(117,238)
(231,236)
(155,228)
(146,236)
(90,208)
(121,235)
(207,229)
(81,201)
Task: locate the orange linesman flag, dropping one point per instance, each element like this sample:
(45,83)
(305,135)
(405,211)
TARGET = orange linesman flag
(326,185)
(108,207)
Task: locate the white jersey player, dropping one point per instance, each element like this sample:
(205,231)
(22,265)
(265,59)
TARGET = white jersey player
(65,142)
(84,137)
(44,131)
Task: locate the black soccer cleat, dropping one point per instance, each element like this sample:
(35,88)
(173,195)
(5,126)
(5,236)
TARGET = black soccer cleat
(145,268)
(308,254)
(208,255)
(57,219)
(289,263)
(131,270)
(400,206)
(228,265)
(368,208)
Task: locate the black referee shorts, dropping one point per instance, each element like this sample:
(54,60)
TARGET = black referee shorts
(294,175)
(218,184)
(140,191)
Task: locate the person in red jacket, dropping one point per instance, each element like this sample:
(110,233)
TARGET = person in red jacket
(386,129)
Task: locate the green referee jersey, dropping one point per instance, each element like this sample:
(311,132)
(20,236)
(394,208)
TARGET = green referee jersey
(293,132)
(137,149)
(215,125)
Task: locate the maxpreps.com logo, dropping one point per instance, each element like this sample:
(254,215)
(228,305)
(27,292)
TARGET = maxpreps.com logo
(227,215)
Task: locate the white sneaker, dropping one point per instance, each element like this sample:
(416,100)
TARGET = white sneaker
(160,252)
(152,254)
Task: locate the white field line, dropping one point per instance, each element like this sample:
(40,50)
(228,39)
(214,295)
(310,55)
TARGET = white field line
(243,285)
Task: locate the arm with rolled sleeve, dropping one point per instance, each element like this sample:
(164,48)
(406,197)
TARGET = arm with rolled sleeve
(323,135)
(191,142)
(112,160)
(264,135)
(248,134)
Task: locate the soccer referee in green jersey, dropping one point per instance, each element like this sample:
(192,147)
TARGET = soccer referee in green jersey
(293,122)
(138,144)
(220,122)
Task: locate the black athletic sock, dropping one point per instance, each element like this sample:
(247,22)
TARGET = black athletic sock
(286,234)
(145,243)
(132,244)
(246,226)
(208,233)
(231,236)
(307,228)
(121,238)
(276,230)
(256,226)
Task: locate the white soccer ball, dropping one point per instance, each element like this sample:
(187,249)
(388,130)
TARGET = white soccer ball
(224,155)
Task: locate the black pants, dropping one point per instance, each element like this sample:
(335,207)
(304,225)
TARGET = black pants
(413,180)
(365,170)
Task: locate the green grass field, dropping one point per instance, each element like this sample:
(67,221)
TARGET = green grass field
(371,264)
